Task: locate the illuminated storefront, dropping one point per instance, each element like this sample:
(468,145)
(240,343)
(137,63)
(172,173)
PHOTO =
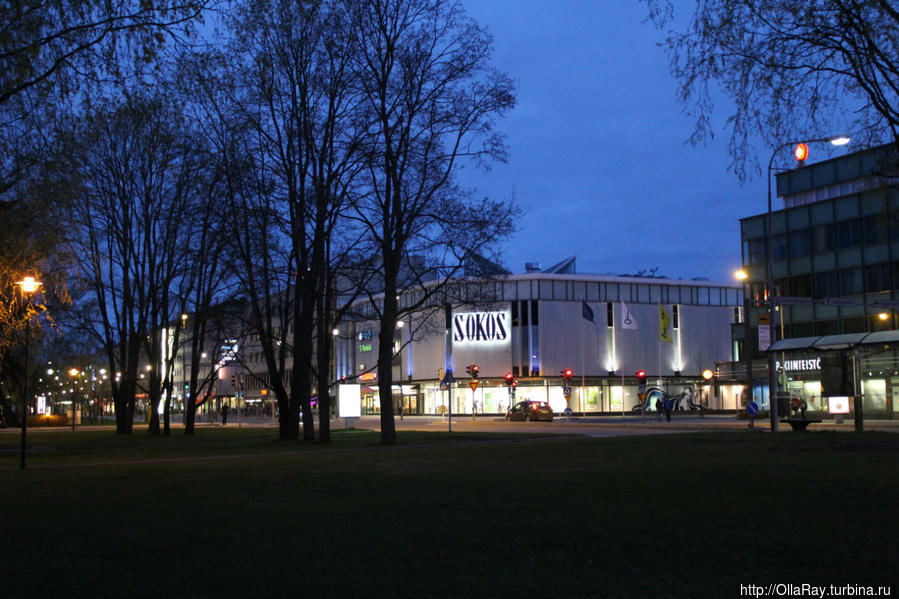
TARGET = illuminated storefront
(534,326)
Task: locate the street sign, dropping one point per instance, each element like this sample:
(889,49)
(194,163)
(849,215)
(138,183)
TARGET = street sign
(566,391)
(752,409)
(641,389)
(764,337)
(473,384)
(793,301)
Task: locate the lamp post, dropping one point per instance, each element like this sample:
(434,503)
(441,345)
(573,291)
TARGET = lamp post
(28,285)
(74,373)
(747,353)
(801,155)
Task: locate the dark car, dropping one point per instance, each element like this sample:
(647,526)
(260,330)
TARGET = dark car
(530,410)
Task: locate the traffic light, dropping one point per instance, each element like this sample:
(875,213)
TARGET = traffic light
(510,379)
(473,370)
(234,380)
(641,377)
(567,374)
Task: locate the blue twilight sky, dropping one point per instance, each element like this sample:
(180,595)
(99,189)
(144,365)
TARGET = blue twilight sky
(597,153)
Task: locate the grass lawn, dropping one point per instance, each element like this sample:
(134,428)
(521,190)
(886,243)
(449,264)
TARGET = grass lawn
(687,515)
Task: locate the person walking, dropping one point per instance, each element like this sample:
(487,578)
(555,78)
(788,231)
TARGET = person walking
(667,404)
(225,410)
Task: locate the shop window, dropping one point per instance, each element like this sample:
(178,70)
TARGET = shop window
(823,238)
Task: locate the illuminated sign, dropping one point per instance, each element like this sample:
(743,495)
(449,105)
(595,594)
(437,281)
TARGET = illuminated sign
(795,365)
(367,376)
(481,327)
(838,405)
(365,347)
(364,335)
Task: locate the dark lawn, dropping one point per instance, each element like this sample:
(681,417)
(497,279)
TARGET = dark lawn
(481,515)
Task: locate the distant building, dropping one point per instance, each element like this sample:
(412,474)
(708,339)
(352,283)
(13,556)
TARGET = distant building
(535,325)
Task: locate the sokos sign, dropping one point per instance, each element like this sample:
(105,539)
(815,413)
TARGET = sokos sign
(481,327)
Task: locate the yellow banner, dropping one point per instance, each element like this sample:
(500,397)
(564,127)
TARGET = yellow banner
(664,325)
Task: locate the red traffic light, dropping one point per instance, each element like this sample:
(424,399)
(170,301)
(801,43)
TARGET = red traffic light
(641,376)
(510,379)
(567,373)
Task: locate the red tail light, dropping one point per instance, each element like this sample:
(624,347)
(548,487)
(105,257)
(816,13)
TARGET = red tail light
(533,406)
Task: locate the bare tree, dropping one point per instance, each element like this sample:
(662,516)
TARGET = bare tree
(43,44)
(133,178)
(287,118)
(792,69)
(432,99)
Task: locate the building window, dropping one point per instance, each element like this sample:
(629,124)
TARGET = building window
(754,250)
(849,233)
(851,281)
(610,314)
(800,243)
(675,318)
(780,246)
(875,229)
(877,277)
(823,238)
(801,285)
(534,319)
(826,284)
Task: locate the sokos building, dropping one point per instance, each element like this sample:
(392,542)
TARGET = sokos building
(534,326)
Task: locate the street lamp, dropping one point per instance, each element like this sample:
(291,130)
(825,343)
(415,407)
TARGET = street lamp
(747,353)
(74,373)
(27,285)
(801,154)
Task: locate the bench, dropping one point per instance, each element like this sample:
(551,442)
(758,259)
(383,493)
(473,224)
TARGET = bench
(799,424)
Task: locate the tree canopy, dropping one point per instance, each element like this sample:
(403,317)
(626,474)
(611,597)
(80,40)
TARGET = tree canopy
(793,70)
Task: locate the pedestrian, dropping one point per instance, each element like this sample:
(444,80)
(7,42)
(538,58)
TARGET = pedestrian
(225,410)
(667,405)
(658,409)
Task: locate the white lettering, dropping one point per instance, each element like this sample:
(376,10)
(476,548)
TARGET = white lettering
(797,365)
(476,327)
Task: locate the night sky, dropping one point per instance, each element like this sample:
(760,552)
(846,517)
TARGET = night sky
(597,147)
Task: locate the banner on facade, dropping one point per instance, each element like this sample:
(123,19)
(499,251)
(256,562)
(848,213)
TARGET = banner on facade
(627,319)
(665,325)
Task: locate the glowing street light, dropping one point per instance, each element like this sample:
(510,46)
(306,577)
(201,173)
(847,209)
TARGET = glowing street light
(800,153)
(28,286)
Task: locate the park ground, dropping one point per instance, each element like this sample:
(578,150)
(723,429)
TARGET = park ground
(473,513)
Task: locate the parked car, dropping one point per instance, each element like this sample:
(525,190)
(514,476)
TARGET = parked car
(530,410)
